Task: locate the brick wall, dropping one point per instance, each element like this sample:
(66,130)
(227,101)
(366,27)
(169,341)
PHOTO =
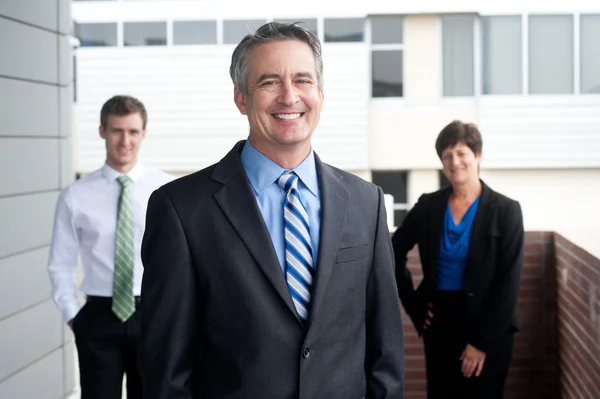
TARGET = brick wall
(534,369)
(578,298)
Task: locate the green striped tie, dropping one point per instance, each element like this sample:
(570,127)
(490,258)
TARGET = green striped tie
(123,302)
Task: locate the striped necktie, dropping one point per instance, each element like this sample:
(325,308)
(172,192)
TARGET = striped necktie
(123,302)
(298,248)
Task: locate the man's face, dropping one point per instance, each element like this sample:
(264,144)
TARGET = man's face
(284,101)
(123,136)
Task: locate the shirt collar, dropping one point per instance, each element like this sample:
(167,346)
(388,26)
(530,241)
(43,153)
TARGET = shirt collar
(262,172)
(135,174)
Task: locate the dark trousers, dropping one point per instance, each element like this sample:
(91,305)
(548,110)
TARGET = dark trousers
(107,349)
(445,341)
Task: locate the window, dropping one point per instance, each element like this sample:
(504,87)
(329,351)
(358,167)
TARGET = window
(145,33)
(590,54)
(394,183)
(387,56)
(234,31)
(308,24)
(550,54)
(96,35)
(344,30)
(194,32)
(457,55)
(443,180)
(502,60)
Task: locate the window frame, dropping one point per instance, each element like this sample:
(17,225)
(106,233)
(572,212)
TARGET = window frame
(385,47)
(397,206)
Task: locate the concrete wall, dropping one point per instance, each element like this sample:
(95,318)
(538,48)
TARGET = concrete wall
(36,350)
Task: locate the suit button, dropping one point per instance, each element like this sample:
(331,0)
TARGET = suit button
(305,352)
(470,294)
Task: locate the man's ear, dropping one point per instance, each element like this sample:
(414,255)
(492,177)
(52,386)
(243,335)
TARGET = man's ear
(101,131)
(240,101)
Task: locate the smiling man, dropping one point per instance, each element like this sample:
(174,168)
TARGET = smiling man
(270,274)
(101,218)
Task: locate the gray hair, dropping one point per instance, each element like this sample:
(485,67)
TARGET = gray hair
(269,32)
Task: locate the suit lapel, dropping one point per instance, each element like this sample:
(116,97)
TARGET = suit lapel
(436,227)
(237,201)
(483,228)
(334,200)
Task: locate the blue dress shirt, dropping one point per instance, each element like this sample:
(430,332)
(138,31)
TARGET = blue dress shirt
(454,248)
(263,174)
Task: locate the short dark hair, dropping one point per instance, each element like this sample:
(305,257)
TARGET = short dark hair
(457,131)
(269,32)
(122,105)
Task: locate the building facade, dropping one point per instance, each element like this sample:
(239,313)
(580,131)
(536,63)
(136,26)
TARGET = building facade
(36,347)
(395,74)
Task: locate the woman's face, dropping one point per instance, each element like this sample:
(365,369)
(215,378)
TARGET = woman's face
(461,165)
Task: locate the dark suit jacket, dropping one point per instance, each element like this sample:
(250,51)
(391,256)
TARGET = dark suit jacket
(217,317)
(494,262)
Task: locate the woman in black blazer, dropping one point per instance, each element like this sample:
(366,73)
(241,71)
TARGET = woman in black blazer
(470,241)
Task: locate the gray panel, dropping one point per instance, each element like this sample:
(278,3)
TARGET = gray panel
(33,52)
(64,16)
(24,281)
(69,366)
(65,58)
(43,380)
(36,12)
(26,222)
(43,153)
(28,336)
(65,97)
(28,109)
(67,172)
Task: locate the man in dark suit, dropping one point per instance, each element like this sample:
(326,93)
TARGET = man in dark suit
(270,274)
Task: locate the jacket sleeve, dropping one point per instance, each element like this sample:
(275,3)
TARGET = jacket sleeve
(384,360)
(168,342)
(500,305)
(403,240)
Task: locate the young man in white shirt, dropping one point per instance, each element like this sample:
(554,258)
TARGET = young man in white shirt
(101,218)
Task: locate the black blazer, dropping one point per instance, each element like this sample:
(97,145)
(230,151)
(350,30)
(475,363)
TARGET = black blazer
(494,262)
(218,319)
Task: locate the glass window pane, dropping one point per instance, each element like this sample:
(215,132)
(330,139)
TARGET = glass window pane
(501,59)
(234,31)
(91,35)
(387,73)
(145,33)
(590,53)
(393,183)
(344,29)
(387,30)
(457,55)
(194,32)
(551,54)
(399,216)
(308,24)
(443,180)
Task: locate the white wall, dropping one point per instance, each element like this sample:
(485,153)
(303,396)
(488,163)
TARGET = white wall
(551,199)
(36,348)
(402,132)
(193,121)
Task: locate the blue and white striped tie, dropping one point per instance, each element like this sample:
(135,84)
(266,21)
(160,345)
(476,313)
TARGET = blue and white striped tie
(298,248)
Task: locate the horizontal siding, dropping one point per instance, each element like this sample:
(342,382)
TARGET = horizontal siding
(541,133)
(193,120)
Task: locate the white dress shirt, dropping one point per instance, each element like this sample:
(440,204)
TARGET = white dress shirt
(85,224)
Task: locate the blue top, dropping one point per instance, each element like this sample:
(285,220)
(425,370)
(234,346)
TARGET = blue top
(263,174)
(454,247)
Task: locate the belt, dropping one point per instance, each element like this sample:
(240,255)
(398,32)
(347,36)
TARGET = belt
(107,299)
